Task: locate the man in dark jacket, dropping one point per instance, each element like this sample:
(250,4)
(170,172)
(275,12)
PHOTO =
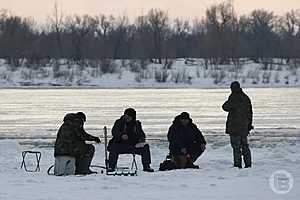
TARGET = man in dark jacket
(128,137)
(186,141)
(70,141)
(239,123)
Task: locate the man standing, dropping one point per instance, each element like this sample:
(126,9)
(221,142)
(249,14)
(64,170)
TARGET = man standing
(186,141)
(70,141)
(239,123)
(128,137)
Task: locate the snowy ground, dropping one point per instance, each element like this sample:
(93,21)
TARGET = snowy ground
(215,179)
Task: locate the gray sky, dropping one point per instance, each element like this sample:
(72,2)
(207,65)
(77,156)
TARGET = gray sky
(39,9)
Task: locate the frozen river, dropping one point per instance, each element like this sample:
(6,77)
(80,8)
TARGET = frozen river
(38,113)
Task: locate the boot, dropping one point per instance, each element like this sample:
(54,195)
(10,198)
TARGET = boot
(147,168)
(83,166)
(192,166)
(238,166)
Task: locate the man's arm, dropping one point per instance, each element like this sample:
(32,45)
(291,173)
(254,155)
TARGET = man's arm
(116,130)
(140,132)
(199,136)
(231,104)
(173,138)
(84,136)
(250,115)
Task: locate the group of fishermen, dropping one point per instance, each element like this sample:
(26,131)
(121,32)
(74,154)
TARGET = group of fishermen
(186,141)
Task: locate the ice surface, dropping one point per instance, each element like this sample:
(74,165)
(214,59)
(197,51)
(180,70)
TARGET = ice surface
(32,117)
(215,179)
(38,113)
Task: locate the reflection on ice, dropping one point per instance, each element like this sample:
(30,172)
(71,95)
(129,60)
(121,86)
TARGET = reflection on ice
(38,113)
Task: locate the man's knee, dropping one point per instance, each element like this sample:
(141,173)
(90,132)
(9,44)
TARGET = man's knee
(235,146)
(245,148)
(147,147)
(244,142)
(119,149)
(235,142)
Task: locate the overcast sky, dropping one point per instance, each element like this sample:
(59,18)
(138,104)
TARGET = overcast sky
(39,9)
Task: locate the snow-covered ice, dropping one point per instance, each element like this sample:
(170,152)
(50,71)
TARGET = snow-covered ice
(30,118)
(215,179)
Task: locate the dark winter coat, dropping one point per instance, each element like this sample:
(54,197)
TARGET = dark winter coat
(180,136)
(239,108)
(133,129)
(71,137)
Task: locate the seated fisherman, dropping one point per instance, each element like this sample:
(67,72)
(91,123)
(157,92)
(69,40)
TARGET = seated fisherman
(128,137)
(186,141)
(70,141)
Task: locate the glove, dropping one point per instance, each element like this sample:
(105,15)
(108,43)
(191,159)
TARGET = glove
(183,150)
(140,145)
(203,147)
(97,140)
(124,137)
(250,127)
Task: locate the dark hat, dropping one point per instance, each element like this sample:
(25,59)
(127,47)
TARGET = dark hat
(235,85)
(184,115)
(130,112)
(82,116)
(69,117)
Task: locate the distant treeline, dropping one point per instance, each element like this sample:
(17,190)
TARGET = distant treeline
(220,36)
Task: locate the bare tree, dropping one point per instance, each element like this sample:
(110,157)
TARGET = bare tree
(222,32)
(17,36)
(262,24)
(79,27)
(57,26)
(142,43)
(219,37)
(159,23)
(181,31)
(104,27)
(289,27)
(119,36)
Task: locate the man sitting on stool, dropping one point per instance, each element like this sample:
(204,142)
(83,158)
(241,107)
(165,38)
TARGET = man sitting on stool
(186,141)
(70,141)
(128,137)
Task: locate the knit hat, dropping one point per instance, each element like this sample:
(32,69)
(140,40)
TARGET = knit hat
(82,116)
(69,117)
(235,85)
(130,112)
(184,115)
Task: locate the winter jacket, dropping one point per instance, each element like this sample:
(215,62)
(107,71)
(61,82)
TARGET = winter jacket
(239,119)
(180,136)
(71,137)
(133,129)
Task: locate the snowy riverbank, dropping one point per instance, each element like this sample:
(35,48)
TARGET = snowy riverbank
(180,73)
(214,180)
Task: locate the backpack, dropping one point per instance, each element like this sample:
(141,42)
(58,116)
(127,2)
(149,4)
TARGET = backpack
(167,165)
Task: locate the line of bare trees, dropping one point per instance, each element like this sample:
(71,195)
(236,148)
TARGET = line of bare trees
(221,36)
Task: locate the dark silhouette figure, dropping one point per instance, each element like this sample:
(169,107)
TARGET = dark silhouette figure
(239,123)
(70,141)
(128,137)
(186,141)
